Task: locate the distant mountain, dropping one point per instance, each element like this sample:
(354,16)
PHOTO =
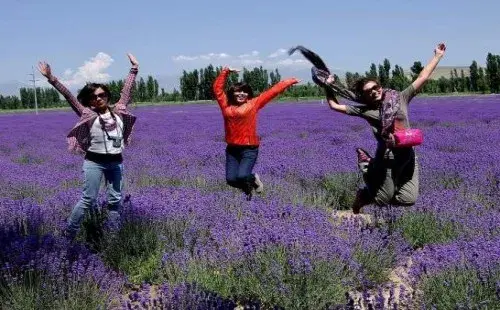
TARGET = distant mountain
(444,71)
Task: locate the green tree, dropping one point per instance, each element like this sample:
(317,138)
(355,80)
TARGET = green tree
(115,90)
(492,72)
(176,95)
(482,84)
(189,85)
(25,96)
(349,79)
(46,98)
(142,91)
(456,81)
(156,88)
(10,103)
(465,84)
(201,84)
(258,79)
(399,80)
(150,89)
(184,85)
(452,82)
(384,73)
(474,76)
(444,85)
(372,74)
(119,87)
(274,77)
(209,76)
(416,69)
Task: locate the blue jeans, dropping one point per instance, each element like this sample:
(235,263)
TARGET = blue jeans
(93,173)
(240,161)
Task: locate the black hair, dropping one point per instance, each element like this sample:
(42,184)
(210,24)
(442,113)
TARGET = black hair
(359,84)
(239,87)
(86,94)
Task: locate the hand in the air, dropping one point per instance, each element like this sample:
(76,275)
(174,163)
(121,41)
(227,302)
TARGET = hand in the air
(44,69)
(440,49)
(133,60)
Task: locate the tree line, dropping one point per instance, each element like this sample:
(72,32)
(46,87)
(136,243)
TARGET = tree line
(197,84)
(46,98)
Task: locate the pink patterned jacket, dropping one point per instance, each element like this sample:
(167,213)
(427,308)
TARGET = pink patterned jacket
(79,137)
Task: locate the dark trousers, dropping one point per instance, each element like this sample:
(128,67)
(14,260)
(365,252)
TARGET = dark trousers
(240,161)
(393,181)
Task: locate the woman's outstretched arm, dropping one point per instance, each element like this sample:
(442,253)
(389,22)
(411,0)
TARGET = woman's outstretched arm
(218,87)
(331,97)
(334,103)
(125,95)
(46,71)
(274,91)
(426,73)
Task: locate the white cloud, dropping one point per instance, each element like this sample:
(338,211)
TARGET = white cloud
(251,62)
(278,53)
(184,58)
(292,62)
(68,72)
(208,56)
(279,58)
(252,54)
(91,70)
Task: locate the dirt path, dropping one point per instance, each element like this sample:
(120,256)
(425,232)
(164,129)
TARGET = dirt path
(398,277)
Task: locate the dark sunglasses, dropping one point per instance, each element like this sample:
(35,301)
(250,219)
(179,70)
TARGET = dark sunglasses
(101,95)
(373,88)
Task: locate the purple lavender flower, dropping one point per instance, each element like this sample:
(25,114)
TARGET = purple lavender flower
(177,189)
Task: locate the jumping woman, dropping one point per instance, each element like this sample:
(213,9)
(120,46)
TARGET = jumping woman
(101,134)
(391,176)
(240,109)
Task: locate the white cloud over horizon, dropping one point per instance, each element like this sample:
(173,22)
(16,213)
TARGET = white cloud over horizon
(279,58)
(209,56)
(280,52)
(252,54)
(92,70)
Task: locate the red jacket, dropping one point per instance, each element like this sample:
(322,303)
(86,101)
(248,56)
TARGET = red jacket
(240,122)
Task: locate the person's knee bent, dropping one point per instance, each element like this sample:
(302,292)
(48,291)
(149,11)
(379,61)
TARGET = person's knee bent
(406,199)
(382,198)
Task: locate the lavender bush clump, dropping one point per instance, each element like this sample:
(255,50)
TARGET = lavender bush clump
(188,241)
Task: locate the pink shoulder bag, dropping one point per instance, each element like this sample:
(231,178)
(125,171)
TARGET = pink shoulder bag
(408,138)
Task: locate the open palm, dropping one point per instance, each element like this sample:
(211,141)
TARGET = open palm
(133,60)
(44,69)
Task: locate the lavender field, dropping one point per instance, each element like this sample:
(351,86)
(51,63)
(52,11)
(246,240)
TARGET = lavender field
(189,241)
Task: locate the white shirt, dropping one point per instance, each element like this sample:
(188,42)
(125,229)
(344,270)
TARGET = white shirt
(99,140)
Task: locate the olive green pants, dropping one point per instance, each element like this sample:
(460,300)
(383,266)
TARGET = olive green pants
(393,180)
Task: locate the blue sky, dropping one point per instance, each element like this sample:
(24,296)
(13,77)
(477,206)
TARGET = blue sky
(85,40)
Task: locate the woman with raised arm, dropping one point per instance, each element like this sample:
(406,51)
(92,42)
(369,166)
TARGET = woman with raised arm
(100,134)
(240,109)
(391,177)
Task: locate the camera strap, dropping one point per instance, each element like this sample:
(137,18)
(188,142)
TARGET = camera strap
(116,140)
